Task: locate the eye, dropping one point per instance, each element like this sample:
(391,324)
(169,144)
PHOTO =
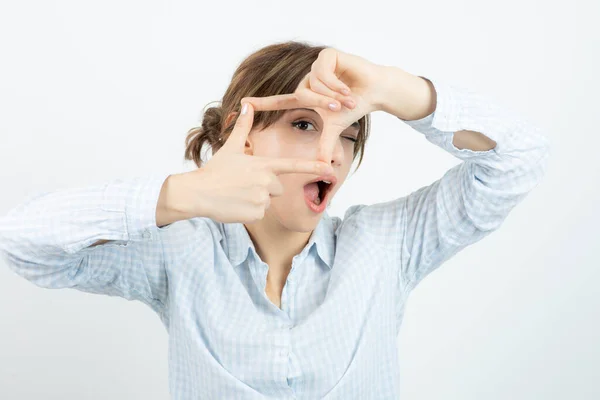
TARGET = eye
(297,124)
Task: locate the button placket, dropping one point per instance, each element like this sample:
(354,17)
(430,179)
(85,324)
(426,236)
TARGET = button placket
(291,285)
(284,344)
(258,271)
(288,292)
(285,325)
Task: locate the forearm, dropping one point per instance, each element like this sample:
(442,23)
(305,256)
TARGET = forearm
(166,212)
(51,228)
(410,97)
(165,215)
(406,96)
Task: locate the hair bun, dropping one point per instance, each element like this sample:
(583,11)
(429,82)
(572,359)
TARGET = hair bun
(212,124)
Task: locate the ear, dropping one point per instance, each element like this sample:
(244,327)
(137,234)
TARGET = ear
(248,148)
(230,117)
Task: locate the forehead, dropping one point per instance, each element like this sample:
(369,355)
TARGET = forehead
(301,108)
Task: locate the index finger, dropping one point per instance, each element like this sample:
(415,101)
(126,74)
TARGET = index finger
(301,98)
(275,102)
(294,165)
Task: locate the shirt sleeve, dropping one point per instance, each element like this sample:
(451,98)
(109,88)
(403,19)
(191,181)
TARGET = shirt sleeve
(473,198)
(46,240)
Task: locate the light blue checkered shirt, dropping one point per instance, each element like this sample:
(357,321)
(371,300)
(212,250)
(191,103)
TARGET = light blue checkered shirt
(335,335)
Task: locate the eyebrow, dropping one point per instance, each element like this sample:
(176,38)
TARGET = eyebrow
(354,125)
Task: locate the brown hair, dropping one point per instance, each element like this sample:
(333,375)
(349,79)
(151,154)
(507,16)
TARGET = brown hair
(273,70)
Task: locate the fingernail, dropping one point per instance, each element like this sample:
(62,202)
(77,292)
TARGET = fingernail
(245,108)
(345,92)
(333,106)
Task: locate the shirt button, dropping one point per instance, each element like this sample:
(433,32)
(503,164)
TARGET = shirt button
(146,234)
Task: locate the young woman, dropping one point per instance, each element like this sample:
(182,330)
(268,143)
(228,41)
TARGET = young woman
(264,295)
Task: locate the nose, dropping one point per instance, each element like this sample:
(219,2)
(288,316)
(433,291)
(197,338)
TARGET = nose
(337,158)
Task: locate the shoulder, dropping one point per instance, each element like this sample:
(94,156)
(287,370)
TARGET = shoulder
(183,236)
(377,218)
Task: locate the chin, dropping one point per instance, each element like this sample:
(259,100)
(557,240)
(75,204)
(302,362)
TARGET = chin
(300,224)
(303,220)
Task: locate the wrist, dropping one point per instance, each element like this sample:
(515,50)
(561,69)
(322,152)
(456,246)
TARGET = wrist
(404,95)
(171,204)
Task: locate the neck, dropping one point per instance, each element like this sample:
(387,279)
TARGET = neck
(275,244)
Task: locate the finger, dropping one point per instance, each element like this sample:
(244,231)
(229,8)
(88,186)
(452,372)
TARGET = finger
(241,129)
(302,98)
(294,165)
(324,71)
(319,87)
(327,142)
(276,102)
(310,99)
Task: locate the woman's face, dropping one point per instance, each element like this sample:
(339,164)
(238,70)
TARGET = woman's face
(296,135)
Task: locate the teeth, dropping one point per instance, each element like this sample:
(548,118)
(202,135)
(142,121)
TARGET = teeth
(327,182)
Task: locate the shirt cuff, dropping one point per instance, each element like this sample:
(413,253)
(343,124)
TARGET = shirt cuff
(457,108)
(137,200)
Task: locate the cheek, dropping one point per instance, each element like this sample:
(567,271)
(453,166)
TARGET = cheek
(285,144)
(266,144)
(348,149)
(292,181)
(299,150)
(298,144)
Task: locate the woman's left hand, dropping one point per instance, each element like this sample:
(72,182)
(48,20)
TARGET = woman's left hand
(353,85)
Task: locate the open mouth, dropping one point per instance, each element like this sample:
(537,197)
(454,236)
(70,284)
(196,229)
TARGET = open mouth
(324,188)
(318,190)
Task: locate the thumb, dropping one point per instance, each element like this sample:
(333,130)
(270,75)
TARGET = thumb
(241,129)
(327,142)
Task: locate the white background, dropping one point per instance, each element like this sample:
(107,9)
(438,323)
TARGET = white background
(95,91)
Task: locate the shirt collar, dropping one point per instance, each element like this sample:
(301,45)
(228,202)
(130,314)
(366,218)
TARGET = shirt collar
(239,244)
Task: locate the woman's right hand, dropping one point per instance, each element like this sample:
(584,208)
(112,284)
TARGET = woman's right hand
(233,186)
